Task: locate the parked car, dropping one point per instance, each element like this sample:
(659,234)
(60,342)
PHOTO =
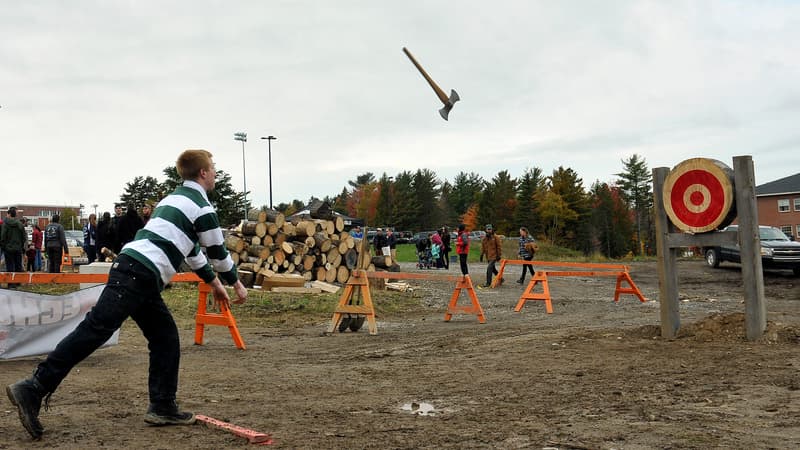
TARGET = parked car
(74,238)
(777,251)
(476,235)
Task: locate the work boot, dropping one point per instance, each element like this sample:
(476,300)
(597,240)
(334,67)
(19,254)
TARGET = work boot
(27,396)
(167,413)
(520,281)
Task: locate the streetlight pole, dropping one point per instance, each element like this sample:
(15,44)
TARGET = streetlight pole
(269,158)
(243,137)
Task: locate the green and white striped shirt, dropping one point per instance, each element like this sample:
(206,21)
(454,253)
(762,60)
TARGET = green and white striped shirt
(180,225)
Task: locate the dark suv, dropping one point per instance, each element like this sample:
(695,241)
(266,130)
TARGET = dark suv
(777,251)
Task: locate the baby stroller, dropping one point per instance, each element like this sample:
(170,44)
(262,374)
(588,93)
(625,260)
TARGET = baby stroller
(424,256)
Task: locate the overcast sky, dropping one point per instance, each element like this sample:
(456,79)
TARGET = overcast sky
(93,94)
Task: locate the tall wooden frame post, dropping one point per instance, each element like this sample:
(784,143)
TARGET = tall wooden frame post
(667,270)
(668,240)
(750,247)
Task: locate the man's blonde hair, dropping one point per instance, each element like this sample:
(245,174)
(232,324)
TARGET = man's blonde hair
(191,162)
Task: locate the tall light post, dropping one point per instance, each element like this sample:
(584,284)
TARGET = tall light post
(243,137)
(269,158)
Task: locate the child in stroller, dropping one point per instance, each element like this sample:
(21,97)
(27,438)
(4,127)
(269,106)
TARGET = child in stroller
(425,258)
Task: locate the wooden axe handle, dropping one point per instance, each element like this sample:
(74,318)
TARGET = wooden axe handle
(433,84)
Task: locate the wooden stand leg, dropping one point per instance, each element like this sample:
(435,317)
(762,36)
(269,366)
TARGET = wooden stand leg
(537,278)
(464,283)
(224,318)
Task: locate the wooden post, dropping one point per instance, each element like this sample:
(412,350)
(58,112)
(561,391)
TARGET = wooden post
(667,270)
(750,247)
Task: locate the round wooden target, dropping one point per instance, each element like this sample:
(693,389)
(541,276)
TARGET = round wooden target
(698,195)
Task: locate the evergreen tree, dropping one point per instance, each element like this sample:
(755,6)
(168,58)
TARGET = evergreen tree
(611,221)
(465,191)
(576,229)
(530,183)
(140,191)
(426,188)
(504,201)
(228,202)
(383,210)
(636,183)
(405,208)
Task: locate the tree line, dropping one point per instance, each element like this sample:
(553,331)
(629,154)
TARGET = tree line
(612,219)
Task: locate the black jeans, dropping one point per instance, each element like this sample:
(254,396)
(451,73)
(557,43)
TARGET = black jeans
(54,259)
(462,261)
(132,290)
(490,271)
(527,267)
(13,263)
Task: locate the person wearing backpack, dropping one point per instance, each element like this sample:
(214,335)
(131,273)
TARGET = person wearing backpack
(13,239)
(55,241)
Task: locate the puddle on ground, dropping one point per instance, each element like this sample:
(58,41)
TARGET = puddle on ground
(419,408)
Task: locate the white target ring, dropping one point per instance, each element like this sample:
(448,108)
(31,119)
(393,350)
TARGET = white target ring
(697,198)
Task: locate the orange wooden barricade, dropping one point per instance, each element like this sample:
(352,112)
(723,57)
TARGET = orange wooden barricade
(358,284)
(540,277)
(202,318)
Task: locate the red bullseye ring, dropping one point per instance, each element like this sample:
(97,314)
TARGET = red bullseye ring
(698,195)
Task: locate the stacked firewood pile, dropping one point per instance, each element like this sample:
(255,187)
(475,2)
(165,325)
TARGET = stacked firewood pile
(271,251)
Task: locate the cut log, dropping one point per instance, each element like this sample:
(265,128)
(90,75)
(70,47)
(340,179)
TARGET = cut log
(280,237)
(342,274)
(398,286)
(282,279)
(261,229)
(267,240)
(350,259)
(235,258)
(310,241)
(255,240)
(272,229)
(320,273)
(297,290)
(343,247)
(322,242)
(382,262)
(287,247)
(327,287)
(330,275)
(305,228)
(308,262)
(334,257)
(262,216)
(246,278)
(279,257)
(288,228)
(234,243)
(275,217)
(308,275)
(249,228)
(338,223)
(299,248)
(248,267)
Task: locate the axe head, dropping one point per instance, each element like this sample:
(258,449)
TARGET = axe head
(445,111)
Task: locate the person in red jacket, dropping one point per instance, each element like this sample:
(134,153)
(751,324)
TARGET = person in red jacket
(37,238)
(462,248)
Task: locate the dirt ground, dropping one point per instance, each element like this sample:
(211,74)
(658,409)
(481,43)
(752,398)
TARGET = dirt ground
(594,374)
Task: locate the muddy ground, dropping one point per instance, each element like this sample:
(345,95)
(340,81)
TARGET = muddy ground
(594,374)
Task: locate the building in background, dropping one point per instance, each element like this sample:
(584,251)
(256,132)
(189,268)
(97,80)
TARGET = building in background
(778,205)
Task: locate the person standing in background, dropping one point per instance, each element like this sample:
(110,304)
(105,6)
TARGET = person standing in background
(90,238)
(38,239)
(104,237)
(55,240)
(445,247)
(527,248)
(127,226)
(492,250)
(462,248)
(13,240)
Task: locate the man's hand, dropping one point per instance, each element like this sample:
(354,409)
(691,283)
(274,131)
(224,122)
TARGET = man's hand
(220,293)
(241,293)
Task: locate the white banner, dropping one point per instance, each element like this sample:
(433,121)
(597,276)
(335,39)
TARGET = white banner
(33,324)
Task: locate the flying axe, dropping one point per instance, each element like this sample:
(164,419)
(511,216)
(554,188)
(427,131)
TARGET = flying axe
(448,102)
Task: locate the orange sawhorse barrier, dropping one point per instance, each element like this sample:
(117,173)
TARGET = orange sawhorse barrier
(202,318)
(540,277)
(358,284)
